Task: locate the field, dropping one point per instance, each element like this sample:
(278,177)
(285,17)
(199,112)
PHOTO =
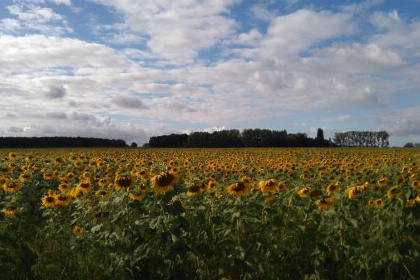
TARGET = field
(210,214)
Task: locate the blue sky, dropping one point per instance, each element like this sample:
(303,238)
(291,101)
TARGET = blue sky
(133,69)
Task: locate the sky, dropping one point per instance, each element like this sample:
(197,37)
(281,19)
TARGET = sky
(132,69)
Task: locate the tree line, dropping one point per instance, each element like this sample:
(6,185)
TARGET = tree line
(59,142)
(234,138)
(362,139)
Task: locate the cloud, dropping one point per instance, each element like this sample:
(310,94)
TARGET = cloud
(261,11)
(32,52)
(396,33)
(57,115)
(9,25)
(304,61)
(56,92)
(293,33)
(251,38)
(401,123)
(177,30)
(129,103)
(37,19)
(61,2)
(359,8)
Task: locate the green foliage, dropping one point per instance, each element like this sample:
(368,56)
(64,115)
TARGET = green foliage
(211,235)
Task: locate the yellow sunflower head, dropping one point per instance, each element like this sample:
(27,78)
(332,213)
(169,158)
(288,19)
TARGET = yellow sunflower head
(124,181)
(62,200)
(163,182)
(331,189)
(49,201)
(269,186)
(11,186)
(325,203)
(77,231)
(237,189)
(10,210)
(392,192)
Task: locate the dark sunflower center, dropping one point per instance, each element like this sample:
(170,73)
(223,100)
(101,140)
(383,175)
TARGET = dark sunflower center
(239,187)
(84,185)
(62,197)
(124,182)
(165,179)
(194,189)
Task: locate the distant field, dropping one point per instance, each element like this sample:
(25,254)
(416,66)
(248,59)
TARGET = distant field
(313,213)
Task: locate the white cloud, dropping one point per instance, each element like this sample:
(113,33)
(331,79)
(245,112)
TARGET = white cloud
(38,19)
(40,52)
(177,29)
(251,38)
(401,122)
(261,11)
(362,7)
(305,61)
(396,33)
(296,32)
(61,2)
(9,25)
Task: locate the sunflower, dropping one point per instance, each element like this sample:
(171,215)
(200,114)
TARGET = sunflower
(86,186)
(49,201)
(143,174)
(123,181)
(304,192)
(353,192)
(212,185)
(139,195)
(269,186)
(85,175)
(248,182)
(163,182)
(193,190)
(24,177)
(282,186)
(9,211)
(237,189)
(382,182)
(11,186)
(411,202)
(101,193)
(77,163)
(12,156)
(331,189)
(63,187)
(77,231)
(62,200)
(379,203)
(35,166)
(58,161)
(4,179)
(392,192)
(325,203)
(304,176)
(47,176)
(372,203)
(12,165)
(416,184)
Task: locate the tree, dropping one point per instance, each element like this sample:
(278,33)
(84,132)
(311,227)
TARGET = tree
(133,145)
(409,145)
(320,135)
(362,139)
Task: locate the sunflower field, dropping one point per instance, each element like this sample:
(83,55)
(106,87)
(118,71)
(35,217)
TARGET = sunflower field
(247,213)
